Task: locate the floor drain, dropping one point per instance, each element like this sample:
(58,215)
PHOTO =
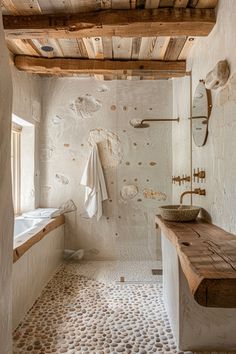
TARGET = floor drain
(156,271)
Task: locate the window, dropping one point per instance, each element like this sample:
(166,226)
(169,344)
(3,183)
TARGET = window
(16,166)
(23,165)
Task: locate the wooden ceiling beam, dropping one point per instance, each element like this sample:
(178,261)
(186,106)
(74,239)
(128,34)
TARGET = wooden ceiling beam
(71,66)
(107,23)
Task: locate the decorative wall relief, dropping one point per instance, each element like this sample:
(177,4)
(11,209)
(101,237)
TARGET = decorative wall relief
(36,111)
(128,192)
(93,251)
(102,88)
(57,119)
(222,96)
(109,146)
(152,163)
(61,179)
(71,155)
(218,76)
(46,153)
(84,106)
(60,124)
(68,207)
(64,123)
(232,88)
(47,148)
(151,194)
(127,212)
(45,191)
(47,188)
(228,92)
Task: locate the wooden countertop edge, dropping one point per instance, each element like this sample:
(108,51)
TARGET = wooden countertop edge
(209,287)
(24,247)
(194,280)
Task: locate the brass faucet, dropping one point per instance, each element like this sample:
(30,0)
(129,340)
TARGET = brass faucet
(198,191)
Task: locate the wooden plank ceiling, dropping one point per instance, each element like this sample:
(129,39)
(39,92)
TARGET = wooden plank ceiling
(172,47)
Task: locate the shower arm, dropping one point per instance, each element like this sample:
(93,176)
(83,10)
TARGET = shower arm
(199,117)
(160,120)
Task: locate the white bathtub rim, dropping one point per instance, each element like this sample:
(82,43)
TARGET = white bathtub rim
(26,235)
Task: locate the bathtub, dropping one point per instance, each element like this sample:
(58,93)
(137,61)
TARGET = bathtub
(24,228)
(37,254)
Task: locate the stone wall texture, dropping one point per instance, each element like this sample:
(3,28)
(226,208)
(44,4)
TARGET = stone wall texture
(77,112)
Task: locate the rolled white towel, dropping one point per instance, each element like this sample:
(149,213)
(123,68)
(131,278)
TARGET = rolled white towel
(44,213)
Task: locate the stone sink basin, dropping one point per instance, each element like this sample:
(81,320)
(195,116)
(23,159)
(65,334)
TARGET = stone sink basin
(179,214)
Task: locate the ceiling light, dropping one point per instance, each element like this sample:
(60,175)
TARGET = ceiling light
(47,48)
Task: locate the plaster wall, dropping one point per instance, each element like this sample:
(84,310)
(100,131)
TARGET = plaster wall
(27,106)
(6,209)
(195,327)
(32,272)
(28,160)
(218,156)
(26,95)
(76,110)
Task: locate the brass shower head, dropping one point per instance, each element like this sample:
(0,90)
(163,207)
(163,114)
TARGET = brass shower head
(138,123)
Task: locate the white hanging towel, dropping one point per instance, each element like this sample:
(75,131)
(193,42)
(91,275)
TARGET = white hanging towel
(93,179)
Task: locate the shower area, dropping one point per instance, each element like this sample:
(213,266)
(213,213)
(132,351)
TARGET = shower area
(108,297)
(136,163)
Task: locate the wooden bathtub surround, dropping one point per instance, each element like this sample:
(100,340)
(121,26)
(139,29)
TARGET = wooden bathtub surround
(208,260)
(52,225)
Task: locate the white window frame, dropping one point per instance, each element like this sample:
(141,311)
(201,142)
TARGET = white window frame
(16,166)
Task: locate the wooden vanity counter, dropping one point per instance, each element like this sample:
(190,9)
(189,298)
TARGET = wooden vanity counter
(207,255)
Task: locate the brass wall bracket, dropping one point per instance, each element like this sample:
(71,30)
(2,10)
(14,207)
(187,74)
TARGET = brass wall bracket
(176,179)
(199,175)
(186,178)
(200,191)
(181,180)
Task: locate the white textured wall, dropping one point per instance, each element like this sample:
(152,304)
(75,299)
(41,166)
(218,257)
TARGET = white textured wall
(32,271)
(218,156)
(197,328)
(27,105)
(181,136)
(26,95)
(6,210)
(127,231)
(28,159)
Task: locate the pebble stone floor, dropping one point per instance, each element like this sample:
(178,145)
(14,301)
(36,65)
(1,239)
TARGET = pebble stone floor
(79,314)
